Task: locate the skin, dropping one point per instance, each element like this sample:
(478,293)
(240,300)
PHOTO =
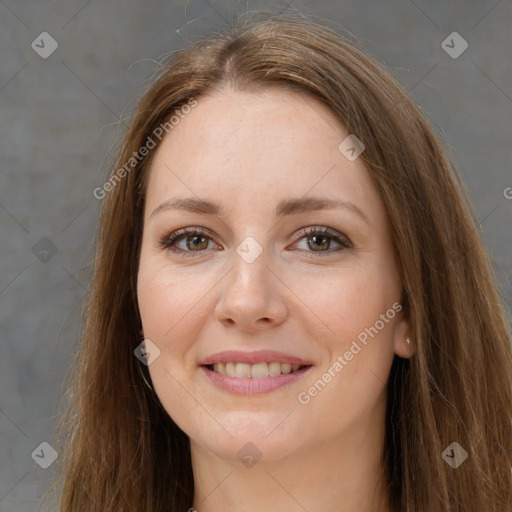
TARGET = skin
(248,151)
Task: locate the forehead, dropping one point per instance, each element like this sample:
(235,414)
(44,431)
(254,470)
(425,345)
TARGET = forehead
(240,147)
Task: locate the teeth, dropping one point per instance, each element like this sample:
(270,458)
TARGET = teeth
(242,370)
(256,371)
(220,368)
(286,368)
(230,369)
(274,369)
(259,371)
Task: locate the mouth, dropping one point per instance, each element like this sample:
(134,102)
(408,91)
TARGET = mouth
(253,373)
(260,370)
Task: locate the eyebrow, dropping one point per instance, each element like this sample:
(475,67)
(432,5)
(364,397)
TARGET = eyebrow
(284,208)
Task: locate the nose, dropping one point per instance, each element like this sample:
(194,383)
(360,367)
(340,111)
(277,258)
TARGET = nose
(251,296)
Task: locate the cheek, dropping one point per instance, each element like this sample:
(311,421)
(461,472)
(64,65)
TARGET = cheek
(175,304)
(348,301)
(350,306)
(170,303)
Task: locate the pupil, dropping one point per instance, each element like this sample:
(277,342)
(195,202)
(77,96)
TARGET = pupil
(326,242)
(195,239)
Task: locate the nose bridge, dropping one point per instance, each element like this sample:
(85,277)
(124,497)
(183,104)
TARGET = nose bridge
(250,292)
(249,271)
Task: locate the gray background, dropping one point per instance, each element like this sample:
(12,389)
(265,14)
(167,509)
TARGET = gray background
(61,117)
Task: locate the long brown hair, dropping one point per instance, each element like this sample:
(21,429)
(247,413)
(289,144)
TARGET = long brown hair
(123,451)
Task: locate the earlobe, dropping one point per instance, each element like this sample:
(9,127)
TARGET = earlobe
(403,343)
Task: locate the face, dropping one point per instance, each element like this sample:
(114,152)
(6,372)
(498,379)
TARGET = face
(267,278)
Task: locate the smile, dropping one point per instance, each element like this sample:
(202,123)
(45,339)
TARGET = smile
(256,371)
(253,373)
(249,385)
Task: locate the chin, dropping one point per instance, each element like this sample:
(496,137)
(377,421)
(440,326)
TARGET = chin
(253,434)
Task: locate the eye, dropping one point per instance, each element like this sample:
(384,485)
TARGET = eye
(195,241)
(319,239)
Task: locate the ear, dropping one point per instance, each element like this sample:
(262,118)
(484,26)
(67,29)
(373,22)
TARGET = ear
(403,343)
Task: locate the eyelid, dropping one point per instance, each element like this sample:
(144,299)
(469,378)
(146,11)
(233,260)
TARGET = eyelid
(322,230)
(343,241)
(166,240)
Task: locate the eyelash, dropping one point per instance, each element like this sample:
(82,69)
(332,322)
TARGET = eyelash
(168,241)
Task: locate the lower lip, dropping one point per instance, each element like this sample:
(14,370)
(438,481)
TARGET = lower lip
(251,385)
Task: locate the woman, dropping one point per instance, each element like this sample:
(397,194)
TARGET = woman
(225,364)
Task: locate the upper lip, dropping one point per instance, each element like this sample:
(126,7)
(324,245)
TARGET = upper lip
(259,356)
